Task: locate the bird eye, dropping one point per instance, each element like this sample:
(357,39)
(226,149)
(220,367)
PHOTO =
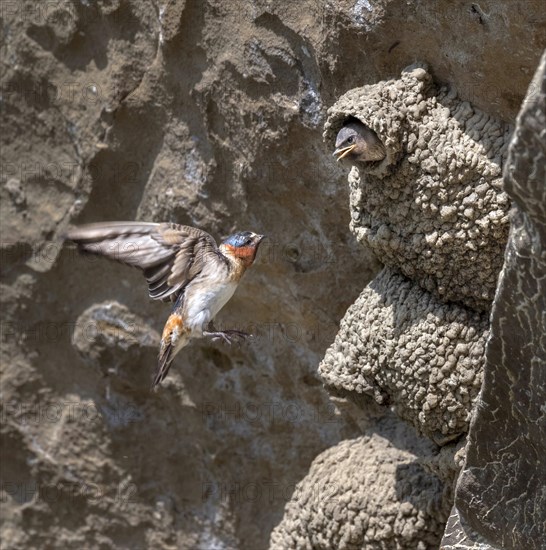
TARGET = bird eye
(350,139)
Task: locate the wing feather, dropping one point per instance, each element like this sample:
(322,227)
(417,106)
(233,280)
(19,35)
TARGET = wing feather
(170,255)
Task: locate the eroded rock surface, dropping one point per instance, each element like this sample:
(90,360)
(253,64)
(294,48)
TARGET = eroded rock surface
(459,536)
(111,339)
(206,113)
(500,493)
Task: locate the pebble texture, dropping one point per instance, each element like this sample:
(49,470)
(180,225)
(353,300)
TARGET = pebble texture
(370,492)
(501,490)
(404,347)
(434,207)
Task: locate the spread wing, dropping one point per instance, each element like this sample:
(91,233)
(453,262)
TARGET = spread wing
(170,255)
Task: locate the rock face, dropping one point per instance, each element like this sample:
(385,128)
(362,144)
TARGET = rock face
(500,493)
(196,113)
(111,339)
(207,113)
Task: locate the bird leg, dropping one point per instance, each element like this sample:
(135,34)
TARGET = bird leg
(228,336)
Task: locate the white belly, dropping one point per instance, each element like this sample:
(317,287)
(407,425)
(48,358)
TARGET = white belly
(202,305)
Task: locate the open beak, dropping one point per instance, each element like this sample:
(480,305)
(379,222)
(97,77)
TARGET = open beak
(343,151)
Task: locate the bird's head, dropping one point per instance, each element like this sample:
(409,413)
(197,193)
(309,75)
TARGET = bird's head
(356,142)
(243,246)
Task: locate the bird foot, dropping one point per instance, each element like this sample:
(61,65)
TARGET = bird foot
(228,336)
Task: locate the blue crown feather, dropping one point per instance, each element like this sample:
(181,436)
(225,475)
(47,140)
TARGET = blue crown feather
(239,239)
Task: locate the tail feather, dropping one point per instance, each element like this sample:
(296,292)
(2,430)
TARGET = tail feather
(166,357)
(173,340)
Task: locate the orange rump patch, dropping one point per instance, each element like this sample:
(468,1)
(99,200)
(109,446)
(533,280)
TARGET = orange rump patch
(174,322)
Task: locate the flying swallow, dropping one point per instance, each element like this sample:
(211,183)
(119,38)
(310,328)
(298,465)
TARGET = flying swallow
(356,142)
(181,264)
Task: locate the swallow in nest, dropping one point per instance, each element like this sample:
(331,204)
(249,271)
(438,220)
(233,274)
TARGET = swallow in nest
(356,142)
